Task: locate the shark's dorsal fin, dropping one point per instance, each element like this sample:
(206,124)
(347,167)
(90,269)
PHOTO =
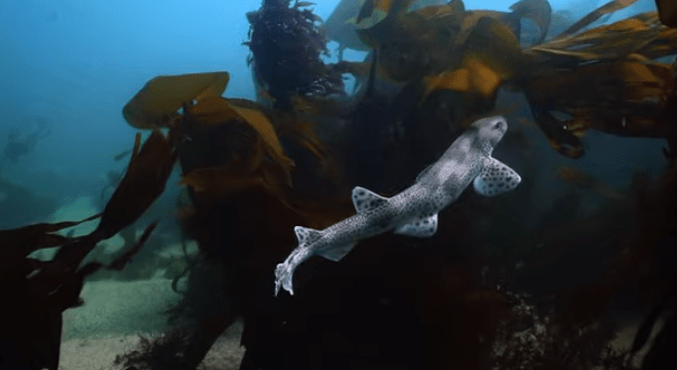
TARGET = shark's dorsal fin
(337,253)
(422,228)
(364,199)
(496,178)
(306,235)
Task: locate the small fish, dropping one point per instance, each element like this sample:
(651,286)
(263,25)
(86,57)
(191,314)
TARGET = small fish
(122,155)
(412,212)
(303,4)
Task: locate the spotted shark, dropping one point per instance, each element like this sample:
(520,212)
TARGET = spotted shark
(412,212)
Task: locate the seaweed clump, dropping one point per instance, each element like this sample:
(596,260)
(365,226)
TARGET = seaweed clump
(287,46)
(164,351)
(254,172)
(35,293)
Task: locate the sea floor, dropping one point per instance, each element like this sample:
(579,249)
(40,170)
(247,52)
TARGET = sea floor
(113,316)
(116,313)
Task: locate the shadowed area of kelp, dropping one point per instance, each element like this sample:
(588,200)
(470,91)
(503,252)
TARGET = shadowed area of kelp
(37,292)
(506,283)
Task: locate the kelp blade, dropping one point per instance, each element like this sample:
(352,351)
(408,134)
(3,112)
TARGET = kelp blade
(157,103)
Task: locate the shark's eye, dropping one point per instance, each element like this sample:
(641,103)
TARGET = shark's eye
(498,125)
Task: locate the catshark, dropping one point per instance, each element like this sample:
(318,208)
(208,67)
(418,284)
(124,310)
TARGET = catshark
(413,211)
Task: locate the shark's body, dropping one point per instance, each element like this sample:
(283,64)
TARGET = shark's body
(412,212)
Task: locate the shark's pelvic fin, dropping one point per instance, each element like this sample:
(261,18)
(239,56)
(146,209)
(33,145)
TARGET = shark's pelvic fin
(496,178)
(365,200)
(422,228)
(306,235)
(337,253)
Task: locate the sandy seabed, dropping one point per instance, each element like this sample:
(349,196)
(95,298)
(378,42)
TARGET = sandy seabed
(98,353)
(113,316)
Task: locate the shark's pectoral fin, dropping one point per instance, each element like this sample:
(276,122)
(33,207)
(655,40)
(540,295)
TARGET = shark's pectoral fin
(496,178)
(422,228)
(337,253)
(364,199)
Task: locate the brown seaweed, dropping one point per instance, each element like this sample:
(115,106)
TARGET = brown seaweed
(607,8)
(287,45)
(341,24)
(37,292)
(156,105)
(144,181)
(667,10)
(436,38)
(479,56)
(604,79)
(445,64)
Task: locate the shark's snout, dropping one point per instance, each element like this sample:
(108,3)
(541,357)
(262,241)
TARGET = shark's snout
(497,124)
(500,124)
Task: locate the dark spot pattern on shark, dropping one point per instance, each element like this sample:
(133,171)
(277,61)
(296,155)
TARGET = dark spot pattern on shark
(414,211)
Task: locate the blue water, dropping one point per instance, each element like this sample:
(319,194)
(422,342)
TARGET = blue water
(75,63)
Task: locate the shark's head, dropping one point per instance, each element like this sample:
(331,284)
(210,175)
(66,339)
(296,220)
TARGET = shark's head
(490,130)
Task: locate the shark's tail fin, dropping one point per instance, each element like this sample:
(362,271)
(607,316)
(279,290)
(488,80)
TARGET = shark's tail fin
(284,272)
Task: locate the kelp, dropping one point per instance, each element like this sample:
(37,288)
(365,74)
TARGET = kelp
(341,25)
(217,111)
(157,103)
(642,34)
(143,182)
(605,79)
(252,154)
(256,160)
(479,72)
(607,8)
(19,243)
(239,158)
(667,11)
(210,109)
(287,45)
(37,292)
(434,39)
(538,11)
(474,53)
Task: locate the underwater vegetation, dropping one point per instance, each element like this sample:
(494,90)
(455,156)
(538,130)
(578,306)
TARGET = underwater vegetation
(490,290)
(286,46)
(37,292)
(667,10)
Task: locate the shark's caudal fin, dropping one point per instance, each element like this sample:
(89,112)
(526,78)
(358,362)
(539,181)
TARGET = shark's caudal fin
(284,273)
(496,178)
